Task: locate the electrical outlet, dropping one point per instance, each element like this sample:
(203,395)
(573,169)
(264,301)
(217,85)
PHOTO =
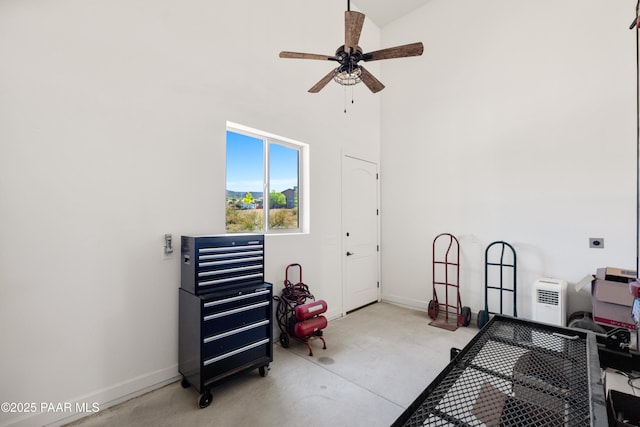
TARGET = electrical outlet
(596,242)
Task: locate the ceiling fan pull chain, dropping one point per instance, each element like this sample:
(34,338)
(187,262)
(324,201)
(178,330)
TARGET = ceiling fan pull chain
(345,99)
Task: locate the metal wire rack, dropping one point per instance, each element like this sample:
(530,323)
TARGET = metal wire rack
(516,373)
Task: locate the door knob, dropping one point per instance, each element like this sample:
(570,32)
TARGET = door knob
(349,253)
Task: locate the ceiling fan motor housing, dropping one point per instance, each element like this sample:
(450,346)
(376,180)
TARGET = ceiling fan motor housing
(356,56)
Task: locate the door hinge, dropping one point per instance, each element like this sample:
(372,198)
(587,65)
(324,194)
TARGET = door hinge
(378,212)
(377,175)
(377,248)
(378,284)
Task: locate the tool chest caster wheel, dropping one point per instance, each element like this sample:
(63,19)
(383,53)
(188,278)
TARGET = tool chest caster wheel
(465,316)
(264,370)
(205,400)
(184,383)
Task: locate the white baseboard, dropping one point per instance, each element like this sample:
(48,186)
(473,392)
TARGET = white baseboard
(406,302)
(72,409)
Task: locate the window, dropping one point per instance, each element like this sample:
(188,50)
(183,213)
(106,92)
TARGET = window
(263,191)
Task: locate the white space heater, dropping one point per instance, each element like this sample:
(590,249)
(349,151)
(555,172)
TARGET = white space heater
(550,301)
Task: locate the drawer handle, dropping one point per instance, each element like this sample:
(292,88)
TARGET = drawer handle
(230,261)
(255,267)
(235,331)
(230,249)
(237,298)
(229,279)
(236,310)
(234,352)
(227,255)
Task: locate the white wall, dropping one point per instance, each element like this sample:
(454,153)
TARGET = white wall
(517,124)
(112,133)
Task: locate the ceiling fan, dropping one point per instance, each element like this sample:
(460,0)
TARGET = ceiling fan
(348,56)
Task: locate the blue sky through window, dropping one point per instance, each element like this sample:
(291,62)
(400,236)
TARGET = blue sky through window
(283,165)
(245,164)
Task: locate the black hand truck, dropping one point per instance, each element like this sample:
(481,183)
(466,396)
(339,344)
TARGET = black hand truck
(504,265)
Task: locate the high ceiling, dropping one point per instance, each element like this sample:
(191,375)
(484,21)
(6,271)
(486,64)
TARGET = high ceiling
(384,11)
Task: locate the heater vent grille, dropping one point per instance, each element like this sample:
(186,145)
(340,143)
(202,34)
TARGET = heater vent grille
(548,297)
(548,301)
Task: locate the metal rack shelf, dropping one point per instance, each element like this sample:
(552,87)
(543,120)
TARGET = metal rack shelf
(516,373)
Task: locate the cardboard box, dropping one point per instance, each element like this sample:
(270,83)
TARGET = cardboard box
(614,379)
(611,299)
(614,274)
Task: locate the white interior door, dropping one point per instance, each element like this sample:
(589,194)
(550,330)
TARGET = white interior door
(360,233)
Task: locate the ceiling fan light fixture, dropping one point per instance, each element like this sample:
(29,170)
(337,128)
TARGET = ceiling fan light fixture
(348,78)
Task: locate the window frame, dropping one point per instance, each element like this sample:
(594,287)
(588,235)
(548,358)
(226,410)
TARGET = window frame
(267,140)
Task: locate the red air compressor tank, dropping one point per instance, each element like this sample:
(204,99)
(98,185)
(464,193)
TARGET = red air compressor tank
(304,329)
(306,311)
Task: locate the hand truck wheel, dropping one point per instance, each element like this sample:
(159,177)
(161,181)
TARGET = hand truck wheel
(453,352)
(284,340)
(433,309)
(465,316)
(483,318)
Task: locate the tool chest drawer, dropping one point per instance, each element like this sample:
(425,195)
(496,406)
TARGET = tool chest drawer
(214,262)
(232,340)
(236,300)
(245,357)
(235,318)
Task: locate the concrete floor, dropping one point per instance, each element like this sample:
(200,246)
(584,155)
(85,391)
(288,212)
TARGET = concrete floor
(378,360)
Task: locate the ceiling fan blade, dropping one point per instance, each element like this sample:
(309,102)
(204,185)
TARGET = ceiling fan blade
(299,55)
(370,81)
(413,49)
(323,82)
(353,22)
